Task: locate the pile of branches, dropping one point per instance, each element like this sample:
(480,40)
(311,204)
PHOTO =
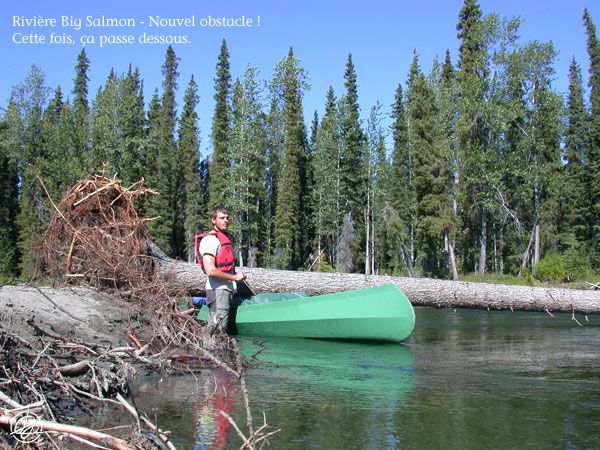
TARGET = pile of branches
(45,381)
(97,237)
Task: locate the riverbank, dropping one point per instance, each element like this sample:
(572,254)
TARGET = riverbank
(75,313)
(66,351)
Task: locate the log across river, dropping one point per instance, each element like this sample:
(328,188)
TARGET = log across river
(420,291)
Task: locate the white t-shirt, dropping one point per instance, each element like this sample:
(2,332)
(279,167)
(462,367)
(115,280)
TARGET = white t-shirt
(210,245)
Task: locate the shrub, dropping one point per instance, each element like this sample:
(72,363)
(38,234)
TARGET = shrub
(550,268)
(323,265)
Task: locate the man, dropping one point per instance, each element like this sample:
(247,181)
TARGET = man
(218,263)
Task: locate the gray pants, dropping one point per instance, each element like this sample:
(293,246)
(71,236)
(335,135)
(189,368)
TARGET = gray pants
(219,306)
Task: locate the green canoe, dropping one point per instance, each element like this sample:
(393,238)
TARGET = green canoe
(381,313)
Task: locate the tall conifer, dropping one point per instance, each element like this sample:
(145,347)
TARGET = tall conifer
(131,122)
(105,133)
(168,231)
(377,193)
(592,166)
(289,83)
(473,133)
(447,97)
(431,174)
(191,204)
(328,215)
(57,163)
(221,132)
(352,177)
(81,114)
(400,211)
(574,197)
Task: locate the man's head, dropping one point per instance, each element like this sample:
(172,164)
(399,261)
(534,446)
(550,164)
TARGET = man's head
(220,218)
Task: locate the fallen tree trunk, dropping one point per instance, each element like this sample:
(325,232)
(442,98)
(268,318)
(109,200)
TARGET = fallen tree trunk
(420,291)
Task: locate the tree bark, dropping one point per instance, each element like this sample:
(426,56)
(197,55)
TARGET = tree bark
(420,291)
(483,242)
(452,258)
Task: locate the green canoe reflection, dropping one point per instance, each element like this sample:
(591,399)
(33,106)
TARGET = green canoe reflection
(367,372)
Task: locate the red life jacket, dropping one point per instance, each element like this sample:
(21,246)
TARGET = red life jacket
(224,260)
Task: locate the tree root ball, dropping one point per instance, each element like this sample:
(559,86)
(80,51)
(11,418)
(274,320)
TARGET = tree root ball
(97,237)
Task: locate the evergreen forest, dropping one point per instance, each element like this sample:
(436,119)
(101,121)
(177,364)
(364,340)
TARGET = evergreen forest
(484,169)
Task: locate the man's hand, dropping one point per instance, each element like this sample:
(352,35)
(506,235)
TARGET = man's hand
(240,276)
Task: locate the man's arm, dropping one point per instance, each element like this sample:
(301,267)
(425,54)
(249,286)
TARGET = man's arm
(208,261)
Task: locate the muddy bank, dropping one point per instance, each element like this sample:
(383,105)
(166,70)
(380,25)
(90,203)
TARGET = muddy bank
(77,313)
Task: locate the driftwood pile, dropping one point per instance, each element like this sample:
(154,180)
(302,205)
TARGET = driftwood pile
(46,380)
(97,238)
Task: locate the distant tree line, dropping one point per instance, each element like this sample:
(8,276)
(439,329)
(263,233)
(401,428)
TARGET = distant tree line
(489,168)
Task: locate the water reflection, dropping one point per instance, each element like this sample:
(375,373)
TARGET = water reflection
(329,395)
(317,369)
(294,381)
(215,395)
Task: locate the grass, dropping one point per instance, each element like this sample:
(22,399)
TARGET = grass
(497,278)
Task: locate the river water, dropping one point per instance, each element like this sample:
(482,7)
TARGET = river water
(466,379)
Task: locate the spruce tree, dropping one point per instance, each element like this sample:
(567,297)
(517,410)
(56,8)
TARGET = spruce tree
(574,198)
(131,122)
(447,96)
(105,130)
(400,211)
(192,206)
(149,151)
(377,168)
(592,162)
(352,178)
(312,148)
(328,216)
(289,84)
(274,150)
(81,115)
(473,133)
(431,174)
(306,231)
(168,231)
(58,164)
(221,134)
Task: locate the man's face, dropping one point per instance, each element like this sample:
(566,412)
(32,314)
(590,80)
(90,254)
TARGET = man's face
(221,221)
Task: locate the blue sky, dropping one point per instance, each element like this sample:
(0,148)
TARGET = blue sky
(380,34)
